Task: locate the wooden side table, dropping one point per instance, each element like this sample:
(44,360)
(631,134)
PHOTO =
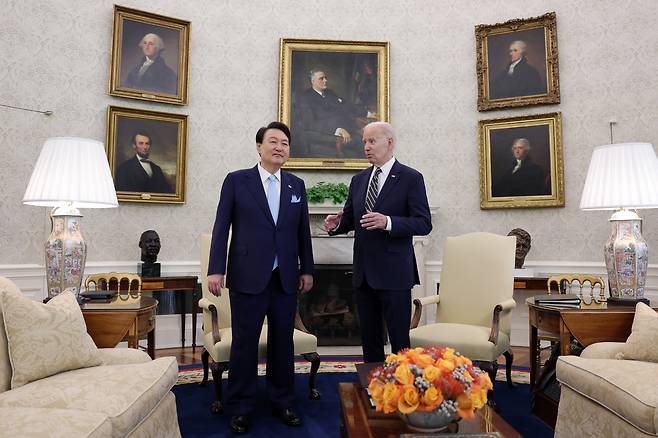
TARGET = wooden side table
(109,322)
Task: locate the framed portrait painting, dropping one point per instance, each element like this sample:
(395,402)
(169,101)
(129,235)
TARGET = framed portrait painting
(521,162)
(517,63)
(149,56)
(146,152)
(328,92)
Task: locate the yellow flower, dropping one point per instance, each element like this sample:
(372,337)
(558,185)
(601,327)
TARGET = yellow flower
(431,373)
(449,354)
(409,400)
(432,398)
(467,376)
(485,381)
(478,396)
(423,360)
(376,388)
(465,406)
(399,358)
(391,395)
(463,360)
(404,375)
(445,366)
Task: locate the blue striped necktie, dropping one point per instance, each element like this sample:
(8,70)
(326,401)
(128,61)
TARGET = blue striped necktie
(373,190)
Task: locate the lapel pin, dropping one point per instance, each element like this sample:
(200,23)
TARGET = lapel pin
(289,186)
(392,176)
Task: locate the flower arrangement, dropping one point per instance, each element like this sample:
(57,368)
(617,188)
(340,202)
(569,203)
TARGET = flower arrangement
(427,379)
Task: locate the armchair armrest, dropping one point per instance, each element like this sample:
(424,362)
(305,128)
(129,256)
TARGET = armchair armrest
(603,350)
(418,308)
(209,306)
(505,306)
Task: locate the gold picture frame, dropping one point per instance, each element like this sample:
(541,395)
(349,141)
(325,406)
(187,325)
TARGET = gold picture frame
(326,125)
(517,63)
(134,136)
(150,55)
(521,162)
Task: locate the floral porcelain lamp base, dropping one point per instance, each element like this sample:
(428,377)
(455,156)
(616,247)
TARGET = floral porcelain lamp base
(626,257)
(66,252)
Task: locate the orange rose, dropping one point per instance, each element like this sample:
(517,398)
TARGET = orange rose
(409,400)
(399,358)
(423,360)
(485,381)
(431,373)
(478,397)
(463,360)
(445,366)
(392,393)
(376,388)
(404,375)
(432,398)
(465,406)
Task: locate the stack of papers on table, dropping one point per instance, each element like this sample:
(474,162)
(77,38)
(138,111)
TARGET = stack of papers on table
(558,300)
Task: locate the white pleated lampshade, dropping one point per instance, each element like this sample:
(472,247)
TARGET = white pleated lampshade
(623,175)
(71,170)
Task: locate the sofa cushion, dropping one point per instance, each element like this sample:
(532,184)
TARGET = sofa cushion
(45,339)
(629,389)
(5,364)
(52,423)
(124,393)
(642,344)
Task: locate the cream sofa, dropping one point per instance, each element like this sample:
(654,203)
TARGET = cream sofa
(128,395)
(605,397)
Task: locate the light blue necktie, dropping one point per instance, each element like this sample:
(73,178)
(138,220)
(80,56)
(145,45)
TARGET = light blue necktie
(273,202)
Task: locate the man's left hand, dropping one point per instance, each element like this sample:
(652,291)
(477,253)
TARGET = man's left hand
(373,221)
(305,283)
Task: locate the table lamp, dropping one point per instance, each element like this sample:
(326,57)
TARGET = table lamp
(623,177)
(70,173)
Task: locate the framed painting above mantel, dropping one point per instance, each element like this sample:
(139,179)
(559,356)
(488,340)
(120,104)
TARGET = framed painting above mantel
(328,91)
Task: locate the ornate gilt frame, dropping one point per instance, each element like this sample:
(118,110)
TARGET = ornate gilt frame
(113,114)
(556,197)
(287,48)
(483,31)
(183,27)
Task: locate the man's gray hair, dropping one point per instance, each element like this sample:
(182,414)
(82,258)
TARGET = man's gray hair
(522,45)
(159,44)
(385,127)
(313,72)
(523,142)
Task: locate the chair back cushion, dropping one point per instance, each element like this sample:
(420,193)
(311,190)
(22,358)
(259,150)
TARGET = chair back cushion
(642,344)
(5,365)
(222,302)
(45,339)
(477,273)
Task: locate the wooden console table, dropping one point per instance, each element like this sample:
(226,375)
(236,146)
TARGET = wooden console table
(587,325)
(178,284)
(109,322)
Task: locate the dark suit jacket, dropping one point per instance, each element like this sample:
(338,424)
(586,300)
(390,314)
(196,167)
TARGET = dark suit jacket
(386,259)
(131,177)
(158,77)
(529,180)
(255,239)
(524,81)
(325,114)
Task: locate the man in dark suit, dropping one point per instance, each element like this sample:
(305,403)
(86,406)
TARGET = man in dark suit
(519,78)
(386,206)
(523,177)
(139,173)
(151,73)
(269,260)
(326,117)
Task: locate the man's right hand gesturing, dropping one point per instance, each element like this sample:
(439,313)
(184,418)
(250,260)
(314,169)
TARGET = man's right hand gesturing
(332,221)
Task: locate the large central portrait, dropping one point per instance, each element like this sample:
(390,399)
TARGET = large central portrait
(328,91)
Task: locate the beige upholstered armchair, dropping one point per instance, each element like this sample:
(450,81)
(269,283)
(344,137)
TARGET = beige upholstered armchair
(217,335)
(474,302)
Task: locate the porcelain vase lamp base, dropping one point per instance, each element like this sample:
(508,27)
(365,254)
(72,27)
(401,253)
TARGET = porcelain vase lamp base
(66,252)
(626,258)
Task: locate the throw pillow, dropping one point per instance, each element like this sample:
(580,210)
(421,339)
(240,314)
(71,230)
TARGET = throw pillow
(642,344)
(45,339)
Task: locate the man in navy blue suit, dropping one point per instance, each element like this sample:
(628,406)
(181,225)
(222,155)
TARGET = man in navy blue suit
(269,260)
(386,206)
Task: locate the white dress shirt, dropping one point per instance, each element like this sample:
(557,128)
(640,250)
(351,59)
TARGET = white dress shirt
(386,169)
(146,165)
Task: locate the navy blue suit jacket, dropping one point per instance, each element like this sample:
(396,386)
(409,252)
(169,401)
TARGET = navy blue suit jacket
(386,259)
(255,239)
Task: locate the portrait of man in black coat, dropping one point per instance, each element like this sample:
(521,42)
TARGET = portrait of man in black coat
(139,173)
(151,73)
(519,77)
(523,177)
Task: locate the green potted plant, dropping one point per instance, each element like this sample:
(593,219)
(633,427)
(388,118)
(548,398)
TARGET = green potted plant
(326,192)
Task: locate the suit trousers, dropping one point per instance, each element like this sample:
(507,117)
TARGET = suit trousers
(248,312)
(377,306)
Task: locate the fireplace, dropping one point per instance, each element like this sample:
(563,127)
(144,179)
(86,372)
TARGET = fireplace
(329,310)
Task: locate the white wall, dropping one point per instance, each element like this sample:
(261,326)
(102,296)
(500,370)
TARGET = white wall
(56,57)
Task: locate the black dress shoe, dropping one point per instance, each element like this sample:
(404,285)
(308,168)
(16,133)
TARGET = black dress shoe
(288,417)
(239,424)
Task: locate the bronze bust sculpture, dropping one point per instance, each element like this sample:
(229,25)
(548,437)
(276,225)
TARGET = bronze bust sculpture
(149,242)
(523,245)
